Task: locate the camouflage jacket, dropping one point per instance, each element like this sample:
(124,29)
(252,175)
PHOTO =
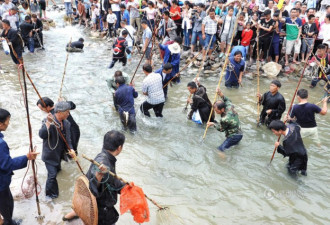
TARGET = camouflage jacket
(229,123)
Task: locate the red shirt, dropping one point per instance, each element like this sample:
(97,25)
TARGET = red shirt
(172,10)
(246,37)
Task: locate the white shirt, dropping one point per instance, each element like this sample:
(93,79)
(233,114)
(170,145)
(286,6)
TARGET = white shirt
(12,19)
(227,24)
(131,32)
(111,18)
(115,7)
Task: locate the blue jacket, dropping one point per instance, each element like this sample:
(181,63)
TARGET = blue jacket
(8,164)
(124,98)
(168,77)
(174,59)
(238,67)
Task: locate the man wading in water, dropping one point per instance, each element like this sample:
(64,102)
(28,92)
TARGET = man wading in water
(124,99)
(293,146)
(273,102)
(199,101)
(74,128)
(54,148)
(14,41)
(229,123)
(102,185)
(152,87)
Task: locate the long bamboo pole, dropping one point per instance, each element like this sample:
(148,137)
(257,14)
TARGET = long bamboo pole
(222,72)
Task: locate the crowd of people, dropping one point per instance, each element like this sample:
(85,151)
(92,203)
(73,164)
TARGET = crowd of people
(296,31)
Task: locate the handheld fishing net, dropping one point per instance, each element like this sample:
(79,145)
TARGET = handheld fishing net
(84,203)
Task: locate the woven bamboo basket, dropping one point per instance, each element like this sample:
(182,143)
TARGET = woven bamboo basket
(84,202)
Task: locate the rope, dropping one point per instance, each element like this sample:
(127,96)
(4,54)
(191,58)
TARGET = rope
(221,74)
(66,62)
(292,100)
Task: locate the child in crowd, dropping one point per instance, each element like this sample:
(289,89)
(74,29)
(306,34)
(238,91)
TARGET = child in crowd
(95,15)
(247,36)
(111,20)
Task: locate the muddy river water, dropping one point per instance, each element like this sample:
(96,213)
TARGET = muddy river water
(165,157)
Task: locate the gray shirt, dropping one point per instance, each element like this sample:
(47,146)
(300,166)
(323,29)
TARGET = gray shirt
(147,34)
(198,22)
(133,12)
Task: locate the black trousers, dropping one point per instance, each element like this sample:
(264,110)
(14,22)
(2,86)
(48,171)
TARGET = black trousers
(7,206)
(297,163)
(107,216)
(131,123)
(264,44)
(51,183)
(158,109)
(114,60)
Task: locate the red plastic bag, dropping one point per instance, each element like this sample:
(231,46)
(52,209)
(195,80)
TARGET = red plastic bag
(132,198)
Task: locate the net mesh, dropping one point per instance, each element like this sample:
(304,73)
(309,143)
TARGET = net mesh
(84,203)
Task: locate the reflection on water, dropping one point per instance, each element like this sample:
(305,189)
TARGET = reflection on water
(166,157)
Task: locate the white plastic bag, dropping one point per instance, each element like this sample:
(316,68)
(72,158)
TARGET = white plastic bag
(5,47)
(196,117)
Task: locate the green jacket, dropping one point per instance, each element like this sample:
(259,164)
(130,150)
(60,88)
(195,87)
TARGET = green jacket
(229,123)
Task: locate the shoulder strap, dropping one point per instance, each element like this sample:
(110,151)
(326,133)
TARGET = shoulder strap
(129,34)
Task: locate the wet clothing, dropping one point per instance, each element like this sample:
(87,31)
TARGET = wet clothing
(274,102)
(7,166)
(119,47)
(124,99)
(119,52)
(305,114)
(233,71)
(16,42)
(74,129)
(76,44)
(201,103)
(324,61)
(26,28)
(230,124)
(53,151)
(174,59)
(166,78)
(294,148)
(158,108)
(38,25)
(106,192)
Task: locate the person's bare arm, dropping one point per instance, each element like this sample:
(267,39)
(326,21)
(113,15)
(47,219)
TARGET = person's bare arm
(325,106)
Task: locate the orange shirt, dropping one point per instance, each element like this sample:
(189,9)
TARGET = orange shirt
(173,10)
